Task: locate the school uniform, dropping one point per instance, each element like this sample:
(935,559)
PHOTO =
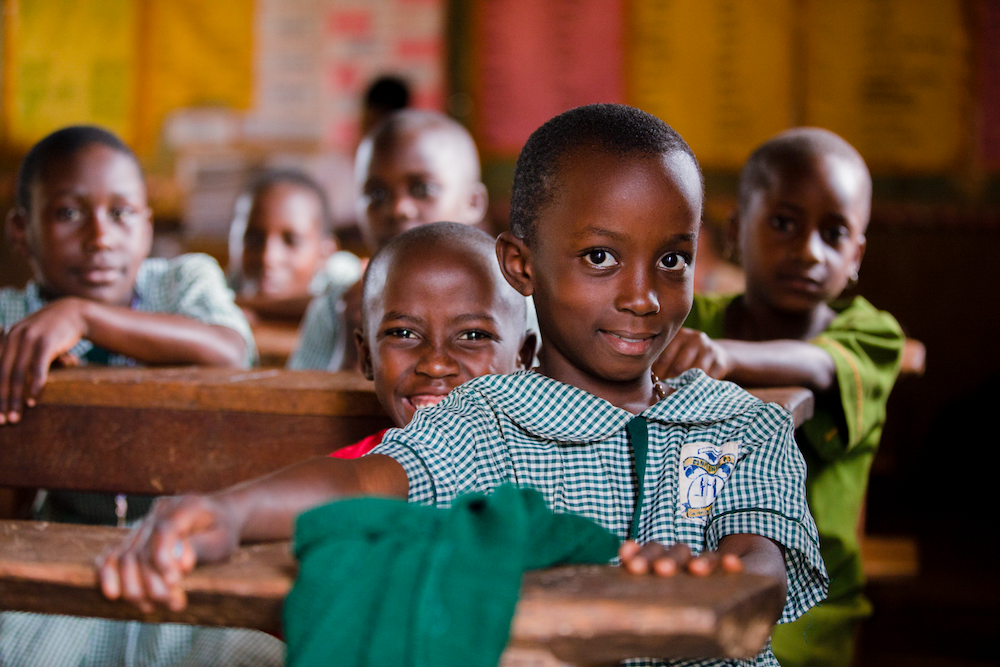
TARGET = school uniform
(718,462)
(839,445)
(193,286)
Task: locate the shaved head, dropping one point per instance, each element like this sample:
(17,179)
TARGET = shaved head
(796,150)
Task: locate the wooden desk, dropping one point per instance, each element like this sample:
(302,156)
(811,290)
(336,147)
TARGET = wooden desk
(582,615)
(172,430)
(799,401)
(276,340)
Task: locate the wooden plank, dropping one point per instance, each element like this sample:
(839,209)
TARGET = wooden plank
(797,400)
(164,431)
(885,557)
(276,340)
(589,614)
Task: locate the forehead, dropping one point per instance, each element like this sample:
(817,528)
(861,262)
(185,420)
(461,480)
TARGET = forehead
(445,278)
(647,193)
(282,202)
(434,150)
(93,167)
(835,181)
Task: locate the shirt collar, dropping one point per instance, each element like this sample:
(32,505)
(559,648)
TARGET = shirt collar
(553,410)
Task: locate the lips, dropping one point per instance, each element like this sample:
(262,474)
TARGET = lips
(99,274)
(629,343)
(419,401)
(801,283)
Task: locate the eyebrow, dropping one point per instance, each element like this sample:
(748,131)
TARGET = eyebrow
(800,210)
(465,317)
(617,236)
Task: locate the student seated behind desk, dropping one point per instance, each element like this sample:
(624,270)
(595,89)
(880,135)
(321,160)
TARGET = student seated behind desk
(282,251)
(605,212)
(82,221)
(415,167)
(804,202)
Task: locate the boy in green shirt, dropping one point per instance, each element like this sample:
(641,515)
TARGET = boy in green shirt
(804,203)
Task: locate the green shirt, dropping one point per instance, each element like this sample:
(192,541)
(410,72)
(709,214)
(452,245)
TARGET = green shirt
(840,441)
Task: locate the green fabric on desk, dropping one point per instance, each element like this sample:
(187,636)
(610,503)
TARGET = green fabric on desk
(382,582)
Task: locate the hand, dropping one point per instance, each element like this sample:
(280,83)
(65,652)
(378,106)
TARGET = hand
(655,558)
(30,347)
(691,348)
(148,566)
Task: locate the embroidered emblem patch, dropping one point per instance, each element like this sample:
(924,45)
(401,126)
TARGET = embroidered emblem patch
(704,470)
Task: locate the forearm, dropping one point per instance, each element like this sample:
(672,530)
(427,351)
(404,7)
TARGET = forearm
(779,363)
(157,338)
(265,508)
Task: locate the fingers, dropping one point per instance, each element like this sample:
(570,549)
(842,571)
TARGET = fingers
(655,558)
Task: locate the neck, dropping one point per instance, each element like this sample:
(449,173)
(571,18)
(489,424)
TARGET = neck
(753,319)
(633,395)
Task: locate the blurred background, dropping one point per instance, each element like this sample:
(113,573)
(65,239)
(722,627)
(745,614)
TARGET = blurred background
(206,92)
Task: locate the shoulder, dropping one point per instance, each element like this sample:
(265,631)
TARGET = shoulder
(181,270)
(858,314)
(708,313)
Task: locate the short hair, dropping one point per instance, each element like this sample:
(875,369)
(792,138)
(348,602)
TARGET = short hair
(387,93)
(266,180)
(430,235)
(612,128)
(59,145)
(390,128)
(793,149)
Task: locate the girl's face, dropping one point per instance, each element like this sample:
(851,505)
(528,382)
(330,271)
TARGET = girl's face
(611,266)
(88,228)
(284,245)
(802,239)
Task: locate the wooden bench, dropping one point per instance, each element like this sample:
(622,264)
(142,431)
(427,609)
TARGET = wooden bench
(176,430)
(576,615)
(164,431)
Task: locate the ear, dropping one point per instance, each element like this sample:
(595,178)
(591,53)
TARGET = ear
(529,347)
(859,255)
(16,228)
(515,262)
(364,354)
(479,201)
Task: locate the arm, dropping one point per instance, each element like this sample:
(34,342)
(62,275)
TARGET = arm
(184,530)
(31,345)
(754,364)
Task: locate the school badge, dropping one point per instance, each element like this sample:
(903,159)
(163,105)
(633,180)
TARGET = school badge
(704,470)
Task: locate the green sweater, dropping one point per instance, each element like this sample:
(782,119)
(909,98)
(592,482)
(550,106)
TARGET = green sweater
(383,582)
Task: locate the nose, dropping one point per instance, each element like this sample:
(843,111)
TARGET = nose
(810,248)
(637,294)
(273,252)
(404,207)
(99,229)
(435,362)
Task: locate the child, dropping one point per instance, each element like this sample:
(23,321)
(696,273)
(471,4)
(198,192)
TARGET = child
(804,200)
(415,167)
(281,247)
(605,212)
(82,221)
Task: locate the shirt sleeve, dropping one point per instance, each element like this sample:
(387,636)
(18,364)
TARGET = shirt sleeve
(321,334)
(866,345)
(766,496)
(194,286)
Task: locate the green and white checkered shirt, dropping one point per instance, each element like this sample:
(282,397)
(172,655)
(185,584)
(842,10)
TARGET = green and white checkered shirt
(720,462)
(190,285)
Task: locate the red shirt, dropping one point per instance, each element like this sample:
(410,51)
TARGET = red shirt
(360,448)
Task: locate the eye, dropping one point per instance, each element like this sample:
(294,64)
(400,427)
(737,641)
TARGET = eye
(376,195)
(673,261)
(600,258)
(476,334)
(67,213)
(121,213)
(400,333)
(423,190)
(291,240)
(834,236)
(782,223)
